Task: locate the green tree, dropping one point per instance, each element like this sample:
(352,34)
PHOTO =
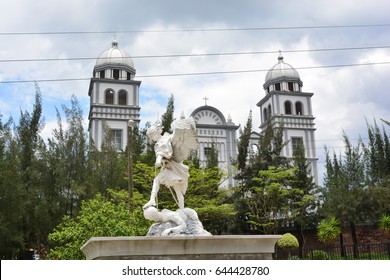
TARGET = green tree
(377,154)
(28,133)
(269,155)
(269,202)
(270,147)
(212,155)
(167,117)
(243,143)
(212,203)
(107,168)
(69,149)
(377,166)
(11,195)
(28,143)
(148,156)
(139,143)
(100,216)
(345,194)
(305,193)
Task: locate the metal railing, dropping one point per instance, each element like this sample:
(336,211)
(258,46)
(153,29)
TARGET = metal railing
(376,251)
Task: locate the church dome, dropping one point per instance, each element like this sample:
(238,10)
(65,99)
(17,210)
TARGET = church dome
(281,70)
(114,57)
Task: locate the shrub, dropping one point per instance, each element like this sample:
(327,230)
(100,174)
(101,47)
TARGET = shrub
(100,216)
(318,255)
(288,241)
(328,229)
(384,222)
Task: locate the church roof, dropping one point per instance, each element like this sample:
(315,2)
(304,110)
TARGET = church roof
(114,56)
(208,115)
(281,70)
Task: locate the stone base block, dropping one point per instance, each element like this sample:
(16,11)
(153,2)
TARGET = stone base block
(220,247)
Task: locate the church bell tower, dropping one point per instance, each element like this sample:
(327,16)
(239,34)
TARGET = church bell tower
(114,97)
(285,104)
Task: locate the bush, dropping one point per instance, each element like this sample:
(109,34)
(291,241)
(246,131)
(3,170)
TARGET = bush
(318,255)
(100,216)
(328,229)
(384,222)
(288,241)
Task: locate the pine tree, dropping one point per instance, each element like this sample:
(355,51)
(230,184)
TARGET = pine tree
(11,193)
(167,117)
(212,155)
(28,142)
(268,156)
(377,169)
(345,194)
(70,149)
(377,155)
(243,143)
(304,200)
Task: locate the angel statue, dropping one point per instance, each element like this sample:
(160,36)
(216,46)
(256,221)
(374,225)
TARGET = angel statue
(171,150)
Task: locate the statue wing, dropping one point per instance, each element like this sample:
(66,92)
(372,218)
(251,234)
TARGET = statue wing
(184,138)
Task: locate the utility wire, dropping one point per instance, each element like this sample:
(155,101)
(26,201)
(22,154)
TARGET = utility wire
(200,73)
(260,70)
(194,30)
(197,55)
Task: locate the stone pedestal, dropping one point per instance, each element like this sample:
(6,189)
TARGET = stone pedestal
(220,247)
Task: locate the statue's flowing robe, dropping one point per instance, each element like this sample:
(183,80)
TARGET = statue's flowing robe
(172,174)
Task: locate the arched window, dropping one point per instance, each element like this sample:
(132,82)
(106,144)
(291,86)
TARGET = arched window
(287,108)
(254,149)
(117,138)
(298,108)
(265,114)
(122,97)
(109,95)
(269,110)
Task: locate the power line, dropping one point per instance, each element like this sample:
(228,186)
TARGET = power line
(197,55)
(193,30)
(201,73)
(260,70)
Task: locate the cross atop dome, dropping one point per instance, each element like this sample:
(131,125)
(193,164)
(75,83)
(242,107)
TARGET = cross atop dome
(280,57)
(114,43)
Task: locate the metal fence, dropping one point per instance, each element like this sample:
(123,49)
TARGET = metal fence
(377,251)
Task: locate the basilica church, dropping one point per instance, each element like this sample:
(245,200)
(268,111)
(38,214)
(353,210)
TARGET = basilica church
(114,100)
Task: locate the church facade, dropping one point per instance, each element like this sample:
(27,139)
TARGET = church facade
(214,129)
(114,100)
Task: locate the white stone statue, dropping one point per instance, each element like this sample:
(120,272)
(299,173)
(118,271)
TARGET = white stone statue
(171,150)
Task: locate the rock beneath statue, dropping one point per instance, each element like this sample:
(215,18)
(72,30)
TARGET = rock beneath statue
(182,222)
(192,228)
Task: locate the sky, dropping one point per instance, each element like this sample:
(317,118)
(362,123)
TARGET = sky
(314,37)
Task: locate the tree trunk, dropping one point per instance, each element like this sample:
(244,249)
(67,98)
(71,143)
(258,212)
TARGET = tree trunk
(342,249)
(301,240)
(354,240)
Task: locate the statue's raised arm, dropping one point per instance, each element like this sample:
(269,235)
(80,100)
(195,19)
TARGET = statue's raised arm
(171,150)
